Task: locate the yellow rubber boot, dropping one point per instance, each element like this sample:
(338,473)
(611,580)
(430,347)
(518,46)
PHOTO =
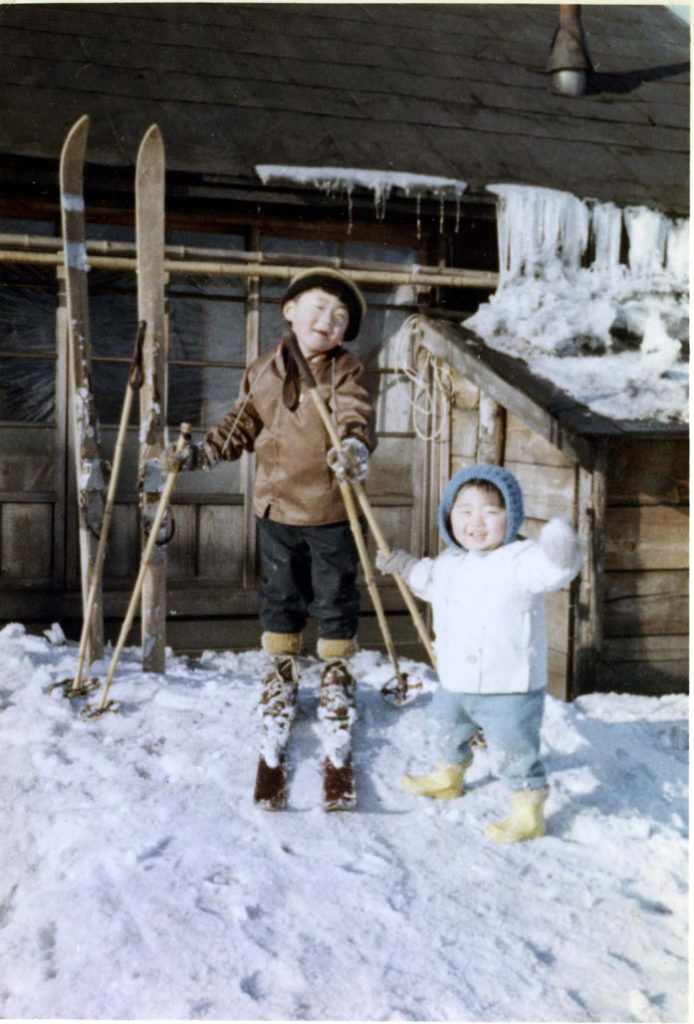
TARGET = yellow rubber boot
(526,820)
(444,783)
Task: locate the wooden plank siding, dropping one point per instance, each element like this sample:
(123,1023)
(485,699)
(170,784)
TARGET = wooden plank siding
(646,590)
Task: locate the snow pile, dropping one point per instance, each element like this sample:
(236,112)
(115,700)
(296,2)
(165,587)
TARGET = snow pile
(138,881)
(614,335)
(343,180)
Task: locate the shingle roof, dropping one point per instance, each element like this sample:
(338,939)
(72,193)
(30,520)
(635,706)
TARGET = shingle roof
(454,90)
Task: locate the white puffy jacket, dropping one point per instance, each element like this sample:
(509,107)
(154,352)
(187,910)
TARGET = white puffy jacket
(489,615)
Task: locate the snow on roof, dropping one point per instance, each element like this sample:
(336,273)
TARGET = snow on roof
(613,333)
(381,183)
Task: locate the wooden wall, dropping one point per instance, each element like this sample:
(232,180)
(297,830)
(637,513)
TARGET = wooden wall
(646,584)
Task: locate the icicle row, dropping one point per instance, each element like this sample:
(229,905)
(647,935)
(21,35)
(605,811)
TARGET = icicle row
(544,232)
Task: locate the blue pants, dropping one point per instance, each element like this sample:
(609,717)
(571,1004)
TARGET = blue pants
(511,723)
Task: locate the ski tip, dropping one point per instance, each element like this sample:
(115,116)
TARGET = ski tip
(270,786)
(75,144)
(339,793)
(151,140)
(80,125)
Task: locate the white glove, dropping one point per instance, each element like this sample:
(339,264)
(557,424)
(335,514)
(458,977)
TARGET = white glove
(199,455)
(352,462)
(559,542)
(398,563)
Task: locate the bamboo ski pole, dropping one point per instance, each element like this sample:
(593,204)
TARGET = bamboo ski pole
(75,687)
(400,689)
(90,710)
(383,546)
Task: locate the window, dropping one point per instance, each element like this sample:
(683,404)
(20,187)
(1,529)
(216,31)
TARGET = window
(28,300)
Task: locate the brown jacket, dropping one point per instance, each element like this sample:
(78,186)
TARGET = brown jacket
(294,484)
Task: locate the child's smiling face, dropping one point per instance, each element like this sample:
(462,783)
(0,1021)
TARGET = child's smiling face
(478,519)
(319,320)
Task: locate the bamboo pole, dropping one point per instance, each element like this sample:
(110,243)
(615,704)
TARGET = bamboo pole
(105,247)
(426,277)
(400,689)
(91,711)
(134,382)
(382,543)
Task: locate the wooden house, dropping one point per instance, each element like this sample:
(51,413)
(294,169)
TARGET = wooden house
(428,96)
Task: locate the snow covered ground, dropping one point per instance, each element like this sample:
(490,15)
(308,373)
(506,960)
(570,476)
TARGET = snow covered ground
(138,881)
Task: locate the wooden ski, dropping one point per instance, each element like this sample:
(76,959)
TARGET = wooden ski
(278,708)
(151,283)
(89,469)
(336,715)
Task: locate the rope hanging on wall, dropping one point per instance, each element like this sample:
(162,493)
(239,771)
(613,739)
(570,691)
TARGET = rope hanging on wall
(431,379)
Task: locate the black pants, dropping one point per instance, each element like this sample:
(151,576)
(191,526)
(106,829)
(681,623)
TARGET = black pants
(308,571)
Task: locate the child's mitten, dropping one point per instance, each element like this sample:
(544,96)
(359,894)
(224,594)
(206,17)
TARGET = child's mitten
(559,542)
(398,563)
(199,455)
(351,462)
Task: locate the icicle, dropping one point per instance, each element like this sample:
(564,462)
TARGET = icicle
(647,230)
(349,212)
(419,219)
(442,203)
(677,251)
(457,216)
(574,231)
(540,231)
(379,183)
(607,235)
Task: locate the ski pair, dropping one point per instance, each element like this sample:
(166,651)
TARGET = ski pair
(336,713)
(90,469)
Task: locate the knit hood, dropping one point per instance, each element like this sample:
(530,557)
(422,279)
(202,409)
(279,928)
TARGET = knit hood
(501,478)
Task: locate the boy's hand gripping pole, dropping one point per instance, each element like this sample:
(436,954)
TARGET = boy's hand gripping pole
(76,687)
(95,711)
(306,372)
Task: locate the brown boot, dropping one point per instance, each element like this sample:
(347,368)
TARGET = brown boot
(281,683)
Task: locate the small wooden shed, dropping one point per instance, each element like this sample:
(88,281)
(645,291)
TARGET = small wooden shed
(623,625)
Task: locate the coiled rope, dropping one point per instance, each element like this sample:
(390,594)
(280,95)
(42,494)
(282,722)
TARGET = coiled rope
(431,379)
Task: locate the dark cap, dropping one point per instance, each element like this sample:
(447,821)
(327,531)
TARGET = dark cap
(336,283)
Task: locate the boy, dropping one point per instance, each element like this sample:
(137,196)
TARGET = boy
(308,557)
(487,593)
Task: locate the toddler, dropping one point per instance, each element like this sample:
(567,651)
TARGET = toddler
(487,591)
